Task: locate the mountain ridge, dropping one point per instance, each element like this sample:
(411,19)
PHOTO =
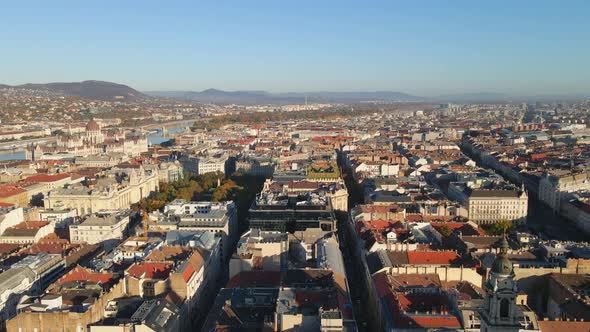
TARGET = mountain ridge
(109,91)
(263,97)
(212,95)
(91,89)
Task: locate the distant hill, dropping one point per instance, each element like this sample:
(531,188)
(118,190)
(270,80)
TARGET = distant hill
(216,96)
(475,97)
(88,89)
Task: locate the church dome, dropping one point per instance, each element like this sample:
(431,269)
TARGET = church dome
(502,265)
(92,126)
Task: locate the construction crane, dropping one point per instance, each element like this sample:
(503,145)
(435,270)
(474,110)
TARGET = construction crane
(145,219)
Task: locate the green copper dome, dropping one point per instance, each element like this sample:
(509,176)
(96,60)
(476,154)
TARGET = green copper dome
(502,265)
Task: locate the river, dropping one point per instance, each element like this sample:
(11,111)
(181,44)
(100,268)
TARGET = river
(154,139)
(5,155)
(159,138)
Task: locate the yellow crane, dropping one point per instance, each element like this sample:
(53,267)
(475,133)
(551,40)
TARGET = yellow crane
(145,219)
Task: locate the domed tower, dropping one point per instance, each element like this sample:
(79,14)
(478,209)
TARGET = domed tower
(93,132)
(500,312)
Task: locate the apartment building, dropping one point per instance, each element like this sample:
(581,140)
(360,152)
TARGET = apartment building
(491,206)
(99,227)
(216,217)
(117,189)
(554,186)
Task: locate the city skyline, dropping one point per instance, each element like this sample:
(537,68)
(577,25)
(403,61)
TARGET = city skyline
(330,166)
(424,49)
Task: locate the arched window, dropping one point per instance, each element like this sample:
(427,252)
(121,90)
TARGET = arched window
(504,308)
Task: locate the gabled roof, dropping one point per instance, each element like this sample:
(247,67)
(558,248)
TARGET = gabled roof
(9,191)
(415,280)
(166,253)
(150,270)
(192,265)
(50,248)
(47,177)
(80,273)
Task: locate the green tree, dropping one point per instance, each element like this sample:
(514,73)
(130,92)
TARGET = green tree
(37,200)
(185,193)
(445,230)
(501,227)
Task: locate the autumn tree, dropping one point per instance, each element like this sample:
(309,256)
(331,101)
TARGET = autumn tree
(500,228)
(445,230)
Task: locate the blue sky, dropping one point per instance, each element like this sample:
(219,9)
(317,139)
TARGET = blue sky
(419,47)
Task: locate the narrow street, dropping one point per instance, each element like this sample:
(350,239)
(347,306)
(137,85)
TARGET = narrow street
(354,272)
(549,225)
(354,267)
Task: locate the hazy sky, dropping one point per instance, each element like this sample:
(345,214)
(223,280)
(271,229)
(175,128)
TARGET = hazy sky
(419,47)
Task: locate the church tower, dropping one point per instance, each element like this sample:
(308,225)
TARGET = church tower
(500,312)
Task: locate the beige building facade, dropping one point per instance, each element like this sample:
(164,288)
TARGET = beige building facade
(114,197)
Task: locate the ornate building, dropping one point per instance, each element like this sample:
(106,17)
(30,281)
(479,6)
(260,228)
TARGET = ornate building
(500,312)
(94,141)
(115,189)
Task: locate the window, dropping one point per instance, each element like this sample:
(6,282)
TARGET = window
(504,308)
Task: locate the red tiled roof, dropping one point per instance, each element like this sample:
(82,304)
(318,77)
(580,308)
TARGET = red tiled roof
(76,176)
(47,178)
(150,270)
(195,263)
(166,253)
(398,304)
(415,280)
(382,284)
(436,321)
(432,257)
(82,274)
(53,238)
(414,218)
(8,191)
(188,272)
(380,224)
(30,224)
(560,326)
(45,248)
(6,248)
